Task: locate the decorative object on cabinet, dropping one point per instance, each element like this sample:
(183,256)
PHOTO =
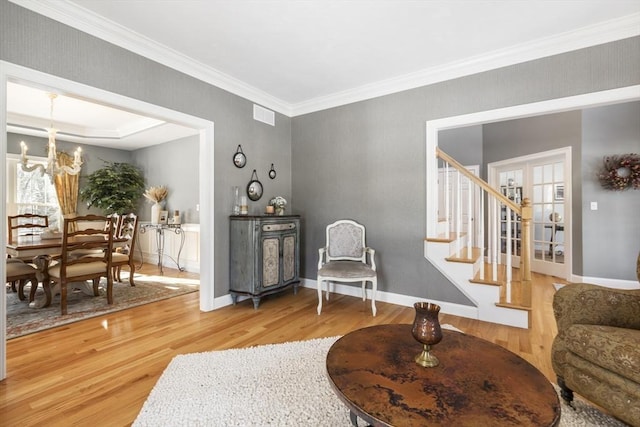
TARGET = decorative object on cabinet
(264,255)
(235,209)
(254,188)
(157,195)
(620,172)
(272,172)
(279,203)
(239,159)
(163,217)
(244,207)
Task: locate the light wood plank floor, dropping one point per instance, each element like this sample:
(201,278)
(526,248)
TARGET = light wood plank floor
(99,371)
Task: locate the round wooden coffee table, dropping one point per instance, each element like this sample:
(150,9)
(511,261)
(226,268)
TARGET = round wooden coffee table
(477,383)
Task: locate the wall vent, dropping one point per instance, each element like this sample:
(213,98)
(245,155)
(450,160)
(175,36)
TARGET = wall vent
(263,115)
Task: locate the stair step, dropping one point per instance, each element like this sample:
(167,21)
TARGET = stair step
(464,257)
(519,296)
(445,237)
(487,278)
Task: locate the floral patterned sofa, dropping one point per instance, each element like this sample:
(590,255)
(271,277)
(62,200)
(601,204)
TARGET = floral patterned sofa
(597,350)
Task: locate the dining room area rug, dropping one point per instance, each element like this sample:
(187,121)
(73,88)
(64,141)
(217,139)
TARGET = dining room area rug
(23,319)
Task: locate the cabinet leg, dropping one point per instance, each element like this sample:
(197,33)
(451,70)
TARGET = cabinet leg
(295,289)
(234,298)
(256,302)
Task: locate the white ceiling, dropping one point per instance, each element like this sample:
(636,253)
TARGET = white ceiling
(296,56)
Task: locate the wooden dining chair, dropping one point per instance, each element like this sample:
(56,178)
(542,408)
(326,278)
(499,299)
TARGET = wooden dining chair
(21,273)
(25,225)
(123,255)
(80,234)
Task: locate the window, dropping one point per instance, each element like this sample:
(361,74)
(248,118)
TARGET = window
(31,192)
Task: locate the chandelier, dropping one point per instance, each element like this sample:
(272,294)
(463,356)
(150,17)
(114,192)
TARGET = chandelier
(52,167)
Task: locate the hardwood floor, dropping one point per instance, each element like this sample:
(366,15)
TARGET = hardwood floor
(99,371)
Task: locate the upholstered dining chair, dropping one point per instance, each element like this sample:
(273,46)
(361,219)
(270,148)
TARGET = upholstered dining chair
(21,273)
(123,255)
(346,258)
(81,234)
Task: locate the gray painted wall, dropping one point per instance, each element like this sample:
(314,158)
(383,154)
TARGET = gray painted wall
(611,235)
(174,165)
(464,145)
(366,160)
(37,42)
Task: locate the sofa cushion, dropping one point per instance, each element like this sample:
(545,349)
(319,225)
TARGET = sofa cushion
(615,349)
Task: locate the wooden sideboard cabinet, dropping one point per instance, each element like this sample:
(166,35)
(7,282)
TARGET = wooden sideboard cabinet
(264,255)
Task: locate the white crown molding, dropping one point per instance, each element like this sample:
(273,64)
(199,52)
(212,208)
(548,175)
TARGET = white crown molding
(97,26)
(88,22)
(604,32)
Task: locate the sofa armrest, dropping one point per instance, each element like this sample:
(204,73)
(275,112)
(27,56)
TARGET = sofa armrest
(583,303)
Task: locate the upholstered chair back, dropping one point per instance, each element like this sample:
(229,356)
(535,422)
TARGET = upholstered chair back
(345,240)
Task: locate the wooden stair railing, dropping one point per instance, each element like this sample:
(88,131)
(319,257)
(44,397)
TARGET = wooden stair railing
(524,211)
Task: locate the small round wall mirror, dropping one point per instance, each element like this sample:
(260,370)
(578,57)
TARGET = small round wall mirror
(272,172)
(254,188)
(239,159)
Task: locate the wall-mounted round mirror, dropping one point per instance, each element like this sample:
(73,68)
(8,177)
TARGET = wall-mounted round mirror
(254,188)
(272,172)
(239,159)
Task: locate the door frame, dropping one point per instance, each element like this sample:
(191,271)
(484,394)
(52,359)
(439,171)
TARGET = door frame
(565,152)
(20,74)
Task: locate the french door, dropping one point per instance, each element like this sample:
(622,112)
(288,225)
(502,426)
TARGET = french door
(544,179)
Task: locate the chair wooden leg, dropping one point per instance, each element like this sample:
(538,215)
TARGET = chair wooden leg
(21,284)
(63,298)
(364,290)
(34,288)
(109,289)
(96,287)
(132,269)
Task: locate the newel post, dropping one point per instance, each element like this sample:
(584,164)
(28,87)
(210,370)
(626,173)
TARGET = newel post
(525,260)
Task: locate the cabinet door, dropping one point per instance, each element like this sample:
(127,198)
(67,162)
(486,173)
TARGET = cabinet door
(270,261)
(289,257)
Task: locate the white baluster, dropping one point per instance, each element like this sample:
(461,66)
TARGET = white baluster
(508,253)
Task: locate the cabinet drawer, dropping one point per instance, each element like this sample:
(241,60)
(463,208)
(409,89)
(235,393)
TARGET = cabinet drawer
(278,227)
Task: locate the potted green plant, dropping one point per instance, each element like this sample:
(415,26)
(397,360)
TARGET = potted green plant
(115,188)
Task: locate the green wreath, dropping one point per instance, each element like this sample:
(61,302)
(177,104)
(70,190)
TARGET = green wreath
(621,172)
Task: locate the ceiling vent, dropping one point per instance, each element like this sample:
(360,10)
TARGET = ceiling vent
(263,115)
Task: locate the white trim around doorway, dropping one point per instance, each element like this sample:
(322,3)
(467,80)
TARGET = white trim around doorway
(23,75)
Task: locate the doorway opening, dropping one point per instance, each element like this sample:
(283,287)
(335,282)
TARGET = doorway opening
(14,73)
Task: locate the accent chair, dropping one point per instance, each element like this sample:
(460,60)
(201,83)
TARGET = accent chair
(597,350)
(346,258)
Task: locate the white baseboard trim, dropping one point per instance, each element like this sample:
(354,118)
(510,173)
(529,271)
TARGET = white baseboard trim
(467,311)
(609,283)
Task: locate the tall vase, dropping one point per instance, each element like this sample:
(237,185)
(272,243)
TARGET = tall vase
(426,330)
(155,213)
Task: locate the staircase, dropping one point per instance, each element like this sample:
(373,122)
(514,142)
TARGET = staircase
(473,253)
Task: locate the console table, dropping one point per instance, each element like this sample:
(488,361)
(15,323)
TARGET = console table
(478,383)
(160,230)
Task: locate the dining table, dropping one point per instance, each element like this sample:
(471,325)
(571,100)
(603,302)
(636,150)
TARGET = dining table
(38,249)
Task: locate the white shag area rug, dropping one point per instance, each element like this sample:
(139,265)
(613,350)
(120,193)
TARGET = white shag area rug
(270,385)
